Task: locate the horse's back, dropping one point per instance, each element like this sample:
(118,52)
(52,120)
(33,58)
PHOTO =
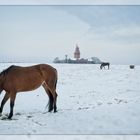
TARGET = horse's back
(28,78)
(15,68)
(105,63)
(40,70)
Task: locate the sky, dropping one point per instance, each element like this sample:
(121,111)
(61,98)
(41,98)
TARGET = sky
(71,2)
(41,33)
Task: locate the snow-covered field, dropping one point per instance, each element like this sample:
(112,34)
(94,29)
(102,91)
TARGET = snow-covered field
(70,137)
(90,101)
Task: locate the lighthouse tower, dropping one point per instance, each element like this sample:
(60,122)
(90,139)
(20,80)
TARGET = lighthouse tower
(77,53)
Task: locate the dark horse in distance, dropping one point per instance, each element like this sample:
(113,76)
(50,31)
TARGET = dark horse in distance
(104,64)
(19,79)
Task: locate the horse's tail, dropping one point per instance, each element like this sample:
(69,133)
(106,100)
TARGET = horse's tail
(50,103)
(56,78)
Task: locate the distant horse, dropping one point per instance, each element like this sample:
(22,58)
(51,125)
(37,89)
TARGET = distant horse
(19,79)
(104,64)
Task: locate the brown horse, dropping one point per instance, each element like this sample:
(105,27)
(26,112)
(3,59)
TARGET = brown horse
(103,64)
(19,79)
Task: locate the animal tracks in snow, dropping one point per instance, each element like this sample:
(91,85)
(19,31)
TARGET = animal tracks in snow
(120,101)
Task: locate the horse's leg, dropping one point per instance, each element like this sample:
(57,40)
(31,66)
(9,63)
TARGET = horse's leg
(55,100)
(5,98)
(50,98)
(12,102)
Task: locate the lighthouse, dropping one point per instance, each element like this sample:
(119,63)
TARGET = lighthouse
(77,53)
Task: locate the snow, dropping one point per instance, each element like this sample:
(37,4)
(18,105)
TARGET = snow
(90,101)
(70,137)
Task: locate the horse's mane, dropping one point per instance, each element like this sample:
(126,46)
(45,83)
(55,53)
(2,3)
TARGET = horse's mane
(4,72)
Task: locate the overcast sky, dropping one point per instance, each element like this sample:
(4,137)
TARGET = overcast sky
(73,2)
(41,33)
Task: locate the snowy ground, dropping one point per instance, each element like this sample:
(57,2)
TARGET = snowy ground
(90,101)
(70,137)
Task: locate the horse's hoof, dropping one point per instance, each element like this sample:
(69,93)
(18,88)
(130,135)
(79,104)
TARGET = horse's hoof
(50,110)
(4,118)
(9,117)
